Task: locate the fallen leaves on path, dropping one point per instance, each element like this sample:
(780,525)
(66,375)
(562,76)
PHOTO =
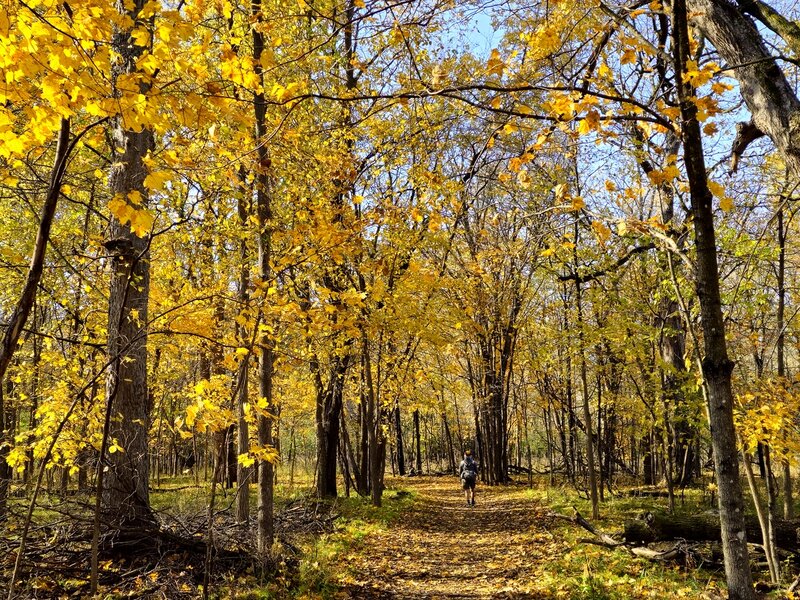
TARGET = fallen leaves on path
(442,548)
(506,547)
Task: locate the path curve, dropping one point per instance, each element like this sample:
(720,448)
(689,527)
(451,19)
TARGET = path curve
(442,549)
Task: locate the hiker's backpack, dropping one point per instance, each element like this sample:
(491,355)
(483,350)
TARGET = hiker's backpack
(470,472)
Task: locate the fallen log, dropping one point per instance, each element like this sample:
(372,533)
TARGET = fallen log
(602,538)
(656,526)
(679,552)
(647,493)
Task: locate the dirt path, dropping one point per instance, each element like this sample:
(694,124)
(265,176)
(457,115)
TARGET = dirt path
(443,549)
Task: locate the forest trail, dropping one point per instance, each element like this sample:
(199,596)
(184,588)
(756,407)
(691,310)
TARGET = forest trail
(440,548)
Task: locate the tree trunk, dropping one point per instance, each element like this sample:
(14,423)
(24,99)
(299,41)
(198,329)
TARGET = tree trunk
(364,425)
(763,520)
(243,445)
(587,416)
(125,496)
(451,454)
(772,516)
(659,526)
(398,430)
(788,502)
(763,85)
(329,409)
(417,443)
(717,367)
(265,535)
(351,459)
(5,469)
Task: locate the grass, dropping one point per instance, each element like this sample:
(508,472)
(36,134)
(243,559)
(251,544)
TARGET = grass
(358,520)
(573,570)
(616,575)
(314,574)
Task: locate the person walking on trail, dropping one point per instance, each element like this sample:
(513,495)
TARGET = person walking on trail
(468,470)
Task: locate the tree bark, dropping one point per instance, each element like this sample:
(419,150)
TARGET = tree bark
(763,520)
(587,417)
(788,501)
(659,526)
(329,409)
(265,535)
(125,496)
(417,443)
(243,391)
(451,454)
(763,85)
(398,430)
(243,445)
(717,367)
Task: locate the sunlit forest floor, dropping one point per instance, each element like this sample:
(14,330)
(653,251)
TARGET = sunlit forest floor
(444,549)
(508,546)
(422,543)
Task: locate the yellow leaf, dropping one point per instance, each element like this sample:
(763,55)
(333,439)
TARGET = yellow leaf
(495,64)
(141,222)
(120,209)
(716,188)
(726,203)
(141,37)
(591,122)
(601,231)
(720,88)
(628,57)
(156,180)
(397,35)
(165,31)
(577,203)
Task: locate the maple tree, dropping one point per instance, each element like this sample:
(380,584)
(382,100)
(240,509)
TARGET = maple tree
(412,244)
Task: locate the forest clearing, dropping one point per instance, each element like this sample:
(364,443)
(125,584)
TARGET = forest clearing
(279,278)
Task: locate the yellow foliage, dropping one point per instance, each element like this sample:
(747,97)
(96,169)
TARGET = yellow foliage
(766,414)
(495,65)
(602,231)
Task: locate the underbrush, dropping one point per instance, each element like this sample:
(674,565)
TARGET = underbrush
(310,536)
(357,520)
(615,574)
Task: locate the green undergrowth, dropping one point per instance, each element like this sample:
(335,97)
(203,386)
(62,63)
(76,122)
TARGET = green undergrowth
(313,572)
(357,520)
(599,573)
